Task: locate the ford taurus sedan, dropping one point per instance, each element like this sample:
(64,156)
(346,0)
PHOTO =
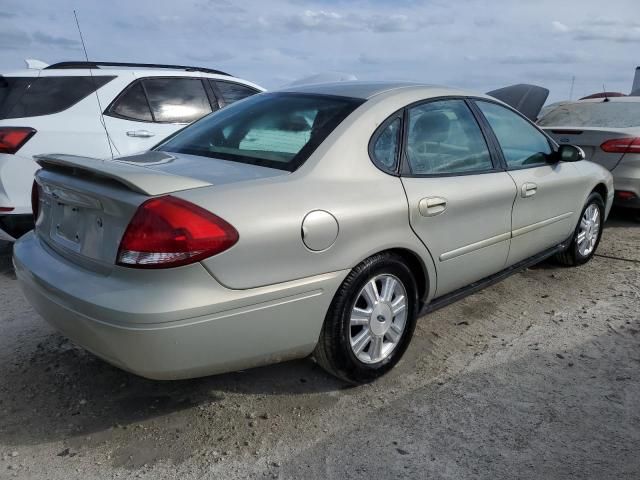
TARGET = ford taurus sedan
(320,220)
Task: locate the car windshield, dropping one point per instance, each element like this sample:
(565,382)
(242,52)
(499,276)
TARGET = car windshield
(277,130)
(593,114)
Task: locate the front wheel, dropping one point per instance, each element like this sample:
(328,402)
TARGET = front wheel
(370,322)
(587,234)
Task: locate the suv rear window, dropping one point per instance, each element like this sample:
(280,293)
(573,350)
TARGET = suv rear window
(593,114)
(277,130)
(34,96)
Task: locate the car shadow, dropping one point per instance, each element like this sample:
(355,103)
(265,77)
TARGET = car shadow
(6,265)
(60,391)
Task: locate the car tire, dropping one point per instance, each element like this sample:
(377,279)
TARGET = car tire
(342,348)
(579,253)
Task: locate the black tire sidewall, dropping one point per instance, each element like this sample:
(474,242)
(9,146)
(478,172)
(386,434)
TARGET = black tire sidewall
(344,359)
(580,259)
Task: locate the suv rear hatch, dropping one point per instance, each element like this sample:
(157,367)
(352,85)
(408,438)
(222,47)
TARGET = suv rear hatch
(85,204)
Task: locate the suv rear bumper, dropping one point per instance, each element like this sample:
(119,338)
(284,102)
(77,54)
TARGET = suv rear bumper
(183,325)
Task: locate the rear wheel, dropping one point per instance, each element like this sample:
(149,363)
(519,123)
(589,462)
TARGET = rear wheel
(370,321)
(587,234)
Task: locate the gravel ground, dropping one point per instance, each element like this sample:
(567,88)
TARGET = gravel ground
(536,377)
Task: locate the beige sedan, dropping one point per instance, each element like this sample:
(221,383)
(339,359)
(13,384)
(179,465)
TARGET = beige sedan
(320,220)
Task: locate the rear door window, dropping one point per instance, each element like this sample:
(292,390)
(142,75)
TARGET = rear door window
(444,139)
(232,92)
(177,100)
(34,96)
(132,104)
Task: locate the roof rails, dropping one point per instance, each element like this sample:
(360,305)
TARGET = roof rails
(125,64)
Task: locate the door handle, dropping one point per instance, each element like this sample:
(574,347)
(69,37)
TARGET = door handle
(140,133)
(432,206)
(528,189)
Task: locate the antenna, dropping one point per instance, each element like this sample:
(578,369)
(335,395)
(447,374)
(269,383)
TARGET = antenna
(95,88)
(573,81)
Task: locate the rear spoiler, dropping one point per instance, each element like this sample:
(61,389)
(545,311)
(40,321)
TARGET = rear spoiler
(527,99)
(137,178)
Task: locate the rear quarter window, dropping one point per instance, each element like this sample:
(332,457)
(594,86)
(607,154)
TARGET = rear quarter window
(34,96)
(232,92)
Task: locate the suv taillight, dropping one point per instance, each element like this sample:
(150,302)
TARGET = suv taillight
(13,138)
(168,232)
(622,145)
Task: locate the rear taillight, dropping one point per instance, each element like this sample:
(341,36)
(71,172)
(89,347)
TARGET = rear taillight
(35,200)
(622,145)
(625,195)
(167,232)
(13,138)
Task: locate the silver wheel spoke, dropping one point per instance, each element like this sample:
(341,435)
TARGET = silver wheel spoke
(360,316)
(375,350)
(398,305)
(388,288)
(361,341)
(581,238)
(371,293)
(393,334)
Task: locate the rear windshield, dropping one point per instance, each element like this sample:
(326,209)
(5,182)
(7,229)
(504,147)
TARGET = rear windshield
(34,96)
(590,114)
(277,130)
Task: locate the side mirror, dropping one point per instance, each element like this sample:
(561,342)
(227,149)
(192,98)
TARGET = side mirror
(570,153)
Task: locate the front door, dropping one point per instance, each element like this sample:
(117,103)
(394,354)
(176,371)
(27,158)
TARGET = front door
(543,213)
(460,200)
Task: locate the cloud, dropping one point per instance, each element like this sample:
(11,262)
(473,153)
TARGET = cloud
(602,29)
(335,22)
(548,59)
(62,42)
(14,39)
(559,26)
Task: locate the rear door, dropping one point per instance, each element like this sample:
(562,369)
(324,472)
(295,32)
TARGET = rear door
(459,197)
(150,109)
(547,192)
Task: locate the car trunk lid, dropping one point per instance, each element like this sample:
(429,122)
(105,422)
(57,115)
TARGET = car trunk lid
(86,204)
(590,139)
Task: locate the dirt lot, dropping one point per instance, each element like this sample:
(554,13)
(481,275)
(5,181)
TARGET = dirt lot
(536,377)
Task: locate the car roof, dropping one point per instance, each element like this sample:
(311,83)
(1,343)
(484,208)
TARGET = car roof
(126,72)
(368,89)
(609,99)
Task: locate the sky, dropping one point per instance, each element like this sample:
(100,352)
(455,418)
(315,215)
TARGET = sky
(474,44)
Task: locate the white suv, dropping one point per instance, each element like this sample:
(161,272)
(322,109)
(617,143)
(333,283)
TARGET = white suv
(56,110)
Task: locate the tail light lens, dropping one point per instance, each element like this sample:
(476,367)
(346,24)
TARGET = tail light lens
(13,138)
(622,145)
(625,195)
(35,200)
(168,232)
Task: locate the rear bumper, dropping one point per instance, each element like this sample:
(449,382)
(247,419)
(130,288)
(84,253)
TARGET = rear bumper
(148,327)
(626,178)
